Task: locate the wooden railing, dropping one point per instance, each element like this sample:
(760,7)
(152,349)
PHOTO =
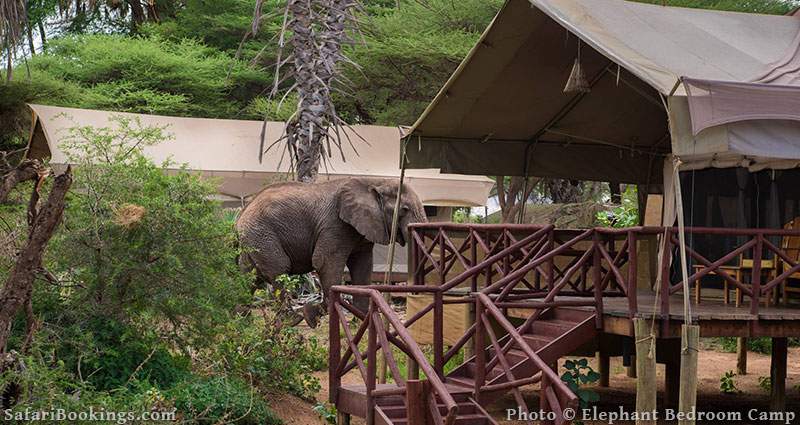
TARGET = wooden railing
(380,341)
(527,260)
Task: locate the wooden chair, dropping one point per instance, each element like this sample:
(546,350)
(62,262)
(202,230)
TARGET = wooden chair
(791,246)
(738,270)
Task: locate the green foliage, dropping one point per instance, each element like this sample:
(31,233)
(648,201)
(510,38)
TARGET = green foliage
(727,384)
(464,215)
(277,358)
(578,374)
(327,412)
(220,399)
(47,384)
(139,302)
(765,383)
(624,215)
(147,75)
(145,246)
(407,55)
(762,345)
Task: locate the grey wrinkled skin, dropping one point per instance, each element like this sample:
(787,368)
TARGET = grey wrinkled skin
(295,228)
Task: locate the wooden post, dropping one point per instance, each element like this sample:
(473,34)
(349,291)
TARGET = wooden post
(416,400)
(469,348)
(646,372)
(630,371)
(412,368)
(672,376)
(438,334)
(741,356)
(688,391)
(777,375)
(756,276)
(372,347)
(342,418)
(633,302)
(603,364)
(334,349)
(480,352)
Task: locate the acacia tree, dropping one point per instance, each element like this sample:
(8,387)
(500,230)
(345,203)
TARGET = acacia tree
(314,32)
(512,193)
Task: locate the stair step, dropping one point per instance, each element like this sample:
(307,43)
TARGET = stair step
(551,327)
(470,419)
(463,381)
(537,342)
(399,411)
(573,315)
(470,371)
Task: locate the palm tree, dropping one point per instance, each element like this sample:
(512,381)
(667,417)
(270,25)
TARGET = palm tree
(316,31)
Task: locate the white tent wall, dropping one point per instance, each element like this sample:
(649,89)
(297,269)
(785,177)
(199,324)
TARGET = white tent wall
(228,150)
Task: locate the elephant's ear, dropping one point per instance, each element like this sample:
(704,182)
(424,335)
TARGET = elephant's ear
(359,206)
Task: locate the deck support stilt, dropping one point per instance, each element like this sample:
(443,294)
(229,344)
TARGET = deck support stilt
(646,371)
(687,401)
(741,356)
(630,371)
(672,376)
(603,363)
(777,402)
(342,418)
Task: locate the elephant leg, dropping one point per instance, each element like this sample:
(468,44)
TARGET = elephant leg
(330,274)
(360,266)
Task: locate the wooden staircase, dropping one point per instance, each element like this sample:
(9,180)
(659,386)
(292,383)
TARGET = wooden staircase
(556,333)
(392,410)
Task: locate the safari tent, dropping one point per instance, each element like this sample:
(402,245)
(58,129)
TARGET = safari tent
(712,89)
(227,150)
(621,92)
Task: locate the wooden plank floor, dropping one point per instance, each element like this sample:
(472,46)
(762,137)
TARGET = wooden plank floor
(708,309)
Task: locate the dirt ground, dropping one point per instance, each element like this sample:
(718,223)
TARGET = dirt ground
(712,365)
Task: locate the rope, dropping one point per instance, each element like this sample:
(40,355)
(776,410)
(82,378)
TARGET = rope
(395,218)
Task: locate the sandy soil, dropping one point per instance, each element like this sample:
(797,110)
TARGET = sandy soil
(622,392)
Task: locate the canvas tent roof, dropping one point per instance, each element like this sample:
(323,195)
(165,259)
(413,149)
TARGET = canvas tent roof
(504,110)
(228,149)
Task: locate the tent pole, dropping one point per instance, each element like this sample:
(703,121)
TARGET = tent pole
(382,365)
(524,198)
(689,333)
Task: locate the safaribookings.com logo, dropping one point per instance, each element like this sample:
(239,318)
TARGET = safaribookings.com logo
(622,415)
(91,415)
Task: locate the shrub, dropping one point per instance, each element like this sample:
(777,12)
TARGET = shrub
(727,384)
(220,399)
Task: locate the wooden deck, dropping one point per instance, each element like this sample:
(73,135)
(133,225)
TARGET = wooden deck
(714,317)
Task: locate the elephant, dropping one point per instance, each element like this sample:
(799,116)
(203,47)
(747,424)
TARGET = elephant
(295,228)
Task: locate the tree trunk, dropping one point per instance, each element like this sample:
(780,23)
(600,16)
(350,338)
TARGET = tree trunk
(42,35)
(16,292)
(30,39)
(137,14)
(510,196)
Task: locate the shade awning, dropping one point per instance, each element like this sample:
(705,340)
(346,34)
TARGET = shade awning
(504,110)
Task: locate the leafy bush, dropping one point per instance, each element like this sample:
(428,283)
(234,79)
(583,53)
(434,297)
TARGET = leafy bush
(765,383)
(762,345)
(727,384)
(139,295)
(624,215)
(221,400)
(579,374)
